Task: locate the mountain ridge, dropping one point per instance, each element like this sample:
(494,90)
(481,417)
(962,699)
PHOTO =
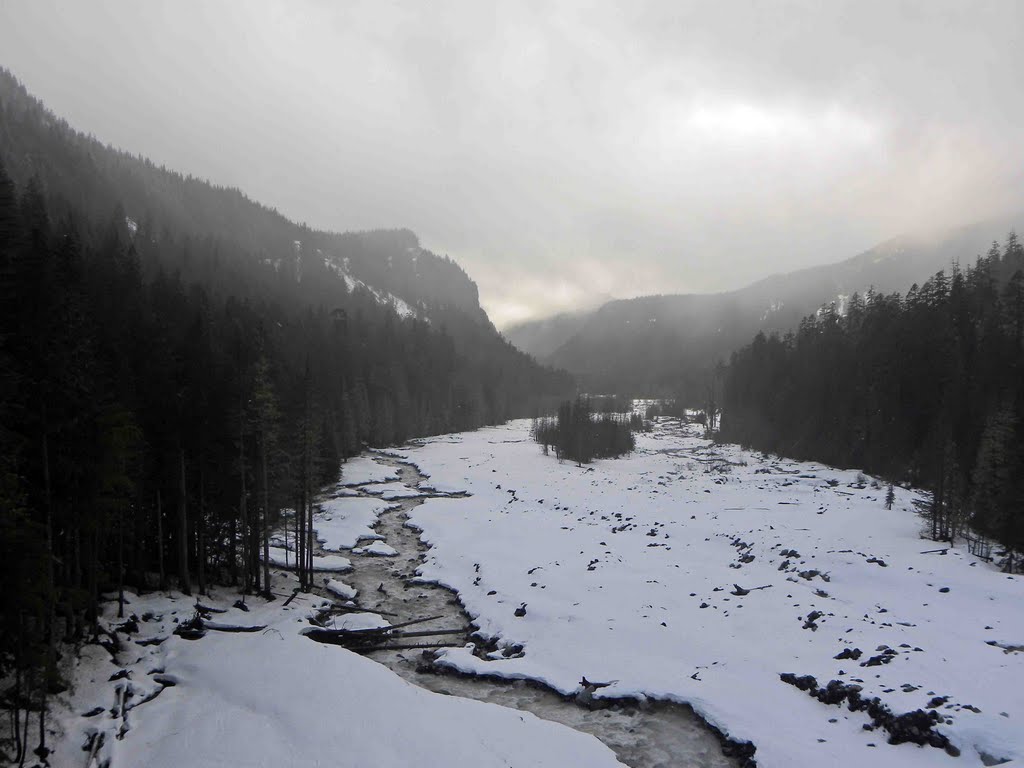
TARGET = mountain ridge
(645,345)
(82,174)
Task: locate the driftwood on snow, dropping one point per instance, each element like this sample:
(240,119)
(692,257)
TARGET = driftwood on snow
(381,638)
(196,628)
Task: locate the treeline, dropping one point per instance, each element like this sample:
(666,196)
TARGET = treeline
(581,435)
(167,395)
(926,388)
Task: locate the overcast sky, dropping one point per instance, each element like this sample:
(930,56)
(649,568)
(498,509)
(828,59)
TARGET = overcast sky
(562,151)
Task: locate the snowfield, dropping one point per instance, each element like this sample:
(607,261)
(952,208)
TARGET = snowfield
(275,698)
(688,572)
(633,571)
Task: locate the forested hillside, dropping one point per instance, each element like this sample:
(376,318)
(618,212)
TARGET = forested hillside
(179,364)
(926,388)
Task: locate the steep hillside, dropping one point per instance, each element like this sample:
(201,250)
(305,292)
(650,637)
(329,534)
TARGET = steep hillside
(661,344)
(181,368)
(233,246)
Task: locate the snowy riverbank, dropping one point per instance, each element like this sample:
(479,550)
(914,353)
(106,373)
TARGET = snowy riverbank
(628,570)
(273,697)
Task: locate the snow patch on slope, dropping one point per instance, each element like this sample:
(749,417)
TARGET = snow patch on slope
(384,298)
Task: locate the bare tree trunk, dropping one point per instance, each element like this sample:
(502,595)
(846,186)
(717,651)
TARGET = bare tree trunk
(94,605)
(24,736)
(120,561)
(233,551)
(51,592)
(300,549)
(160,540)
(298,542)
(307,501)
(243,512)
(266,517)
(41,749)
(18,746)
(309,533)
(183,575)
(201,535)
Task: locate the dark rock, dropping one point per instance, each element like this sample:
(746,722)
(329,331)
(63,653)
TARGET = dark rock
(916,727)
(130,627)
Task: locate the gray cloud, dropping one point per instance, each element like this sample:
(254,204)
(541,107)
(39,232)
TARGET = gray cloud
(562,151)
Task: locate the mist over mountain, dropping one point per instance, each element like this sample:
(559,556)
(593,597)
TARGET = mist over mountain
(662,345)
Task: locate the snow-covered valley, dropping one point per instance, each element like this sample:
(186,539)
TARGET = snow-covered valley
(630,571)
(686,573)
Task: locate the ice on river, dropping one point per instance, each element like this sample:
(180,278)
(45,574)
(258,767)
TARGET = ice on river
(285,558)
(376,548)
(363,469)
(629,570)
(393,491)
(342,522)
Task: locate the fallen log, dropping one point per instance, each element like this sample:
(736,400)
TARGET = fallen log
(196,628)
(377,638)
(208,609)
(342,638)
(429,633)
(388,628)
(415,647)
(233,627)
(356,609)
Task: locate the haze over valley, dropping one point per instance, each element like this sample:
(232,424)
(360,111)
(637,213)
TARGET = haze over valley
(468,383)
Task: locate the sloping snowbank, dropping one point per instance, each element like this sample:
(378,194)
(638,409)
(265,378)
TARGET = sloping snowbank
(273,698)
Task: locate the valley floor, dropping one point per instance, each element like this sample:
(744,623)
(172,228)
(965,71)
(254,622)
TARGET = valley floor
(687,572)
(629,571)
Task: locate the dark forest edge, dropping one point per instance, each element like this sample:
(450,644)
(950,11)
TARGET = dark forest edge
(926,389)
(170,395)
(586,428)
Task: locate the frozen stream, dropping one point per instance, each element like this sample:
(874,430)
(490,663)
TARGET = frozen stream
(652,735)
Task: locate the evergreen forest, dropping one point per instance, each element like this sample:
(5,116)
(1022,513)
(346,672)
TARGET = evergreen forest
(586,428)
(925,388)
(181,369)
